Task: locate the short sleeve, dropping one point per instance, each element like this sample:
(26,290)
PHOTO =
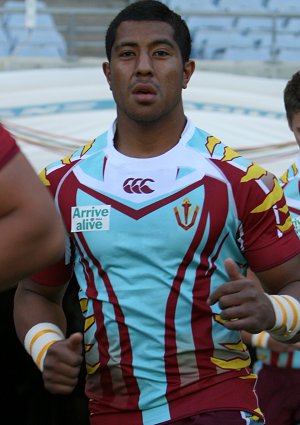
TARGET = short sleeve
(8,147)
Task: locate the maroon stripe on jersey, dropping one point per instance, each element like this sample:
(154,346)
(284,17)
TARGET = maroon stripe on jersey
(67,198)
(138,214)
(201,313)
(201,318)
(289,359)
(91,291)
(100,334)
(274,358)
(126,351)
(216,195)
(103,347)
(294,210)
(171,363)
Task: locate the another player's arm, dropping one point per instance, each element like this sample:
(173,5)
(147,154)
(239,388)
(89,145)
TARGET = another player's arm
(264,339)
(35,303)
(32,233)
(246,306)
(41,326)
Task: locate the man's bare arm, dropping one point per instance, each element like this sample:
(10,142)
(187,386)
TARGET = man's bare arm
(32,235)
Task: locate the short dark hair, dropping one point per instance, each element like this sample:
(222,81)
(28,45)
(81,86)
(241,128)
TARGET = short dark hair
(291,96)
(151,10)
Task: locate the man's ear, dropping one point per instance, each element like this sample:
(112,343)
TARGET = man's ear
(106,71)
(188,70)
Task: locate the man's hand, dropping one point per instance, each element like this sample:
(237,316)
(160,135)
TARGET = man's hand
(244,304)
(62,365)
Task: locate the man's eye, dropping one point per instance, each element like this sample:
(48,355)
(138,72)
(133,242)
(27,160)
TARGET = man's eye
(127,53)
(161,53)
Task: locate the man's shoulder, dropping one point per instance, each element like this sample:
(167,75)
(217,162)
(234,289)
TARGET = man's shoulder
(290,174)
(55,171)
(222,155)
(244,175)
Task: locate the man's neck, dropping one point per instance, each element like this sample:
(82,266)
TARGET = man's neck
(146,140)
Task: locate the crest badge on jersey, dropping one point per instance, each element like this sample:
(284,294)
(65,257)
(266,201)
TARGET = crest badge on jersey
(90,218)
(189,214)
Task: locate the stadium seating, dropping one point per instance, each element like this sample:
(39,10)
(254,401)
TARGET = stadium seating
(244,30)
(43,40)
(240,5)
(282,6)
(4,43)
(238,29)
(206,5)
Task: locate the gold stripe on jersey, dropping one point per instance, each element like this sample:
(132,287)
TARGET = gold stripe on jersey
(229,154)
(67,160)
(254,172)
(271,199)
(43,177)
(240,346)
(236,363)
(87,147)
(212,142)
(284,227)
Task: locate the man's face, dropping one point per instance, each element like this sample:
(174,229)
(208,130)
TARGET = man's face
(295,126)
(146,73)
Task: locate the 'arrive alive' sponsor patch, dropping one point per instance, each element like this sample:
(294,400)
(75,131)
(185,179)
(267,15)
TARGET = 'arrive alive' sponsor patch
(90,218)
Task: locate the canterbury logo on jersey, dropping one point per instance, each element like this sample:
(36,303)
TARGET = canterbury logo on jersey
(90,218)
(137,185)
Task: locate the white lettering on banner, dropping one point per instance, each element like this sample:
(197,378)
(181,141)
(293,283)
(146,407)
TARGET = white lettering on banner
(90,218)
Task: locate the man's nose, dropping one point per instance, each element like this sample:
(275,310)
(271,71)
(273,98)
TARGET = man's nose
(144,63)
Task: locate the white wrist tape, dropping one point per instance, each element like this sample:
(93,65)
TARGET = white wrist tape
(287,317)
(39,338)
(260,340)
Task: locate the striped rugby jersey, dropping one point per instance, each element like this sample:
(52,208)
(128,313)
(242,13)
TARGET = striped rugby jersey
(149,240)
(290,182)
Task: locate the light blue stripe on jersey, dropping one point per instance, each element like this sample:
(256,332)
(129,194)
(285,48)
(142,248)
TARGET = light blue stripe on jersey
(184,335)
(296,360)
(151,416)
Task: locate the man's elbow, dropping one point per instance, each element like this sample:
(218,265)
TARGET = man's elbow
(55,240)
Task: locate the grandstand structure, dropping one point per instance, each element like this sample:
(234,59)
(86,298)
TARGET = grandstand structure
(226,30)
(263,30)
(20,36)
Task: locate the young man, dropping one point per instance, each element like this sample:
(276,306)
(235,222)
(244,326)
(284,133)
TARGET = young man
(278,365)
(163,218)
(32,233)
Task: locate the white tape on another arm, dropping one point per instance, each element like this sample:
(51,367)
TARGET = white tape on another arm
(287,317)
(260,340)
(39,338)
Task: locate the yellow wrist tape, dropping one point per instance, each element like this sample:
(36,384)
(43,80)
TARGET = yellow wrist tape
(39,338)
(287,317)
